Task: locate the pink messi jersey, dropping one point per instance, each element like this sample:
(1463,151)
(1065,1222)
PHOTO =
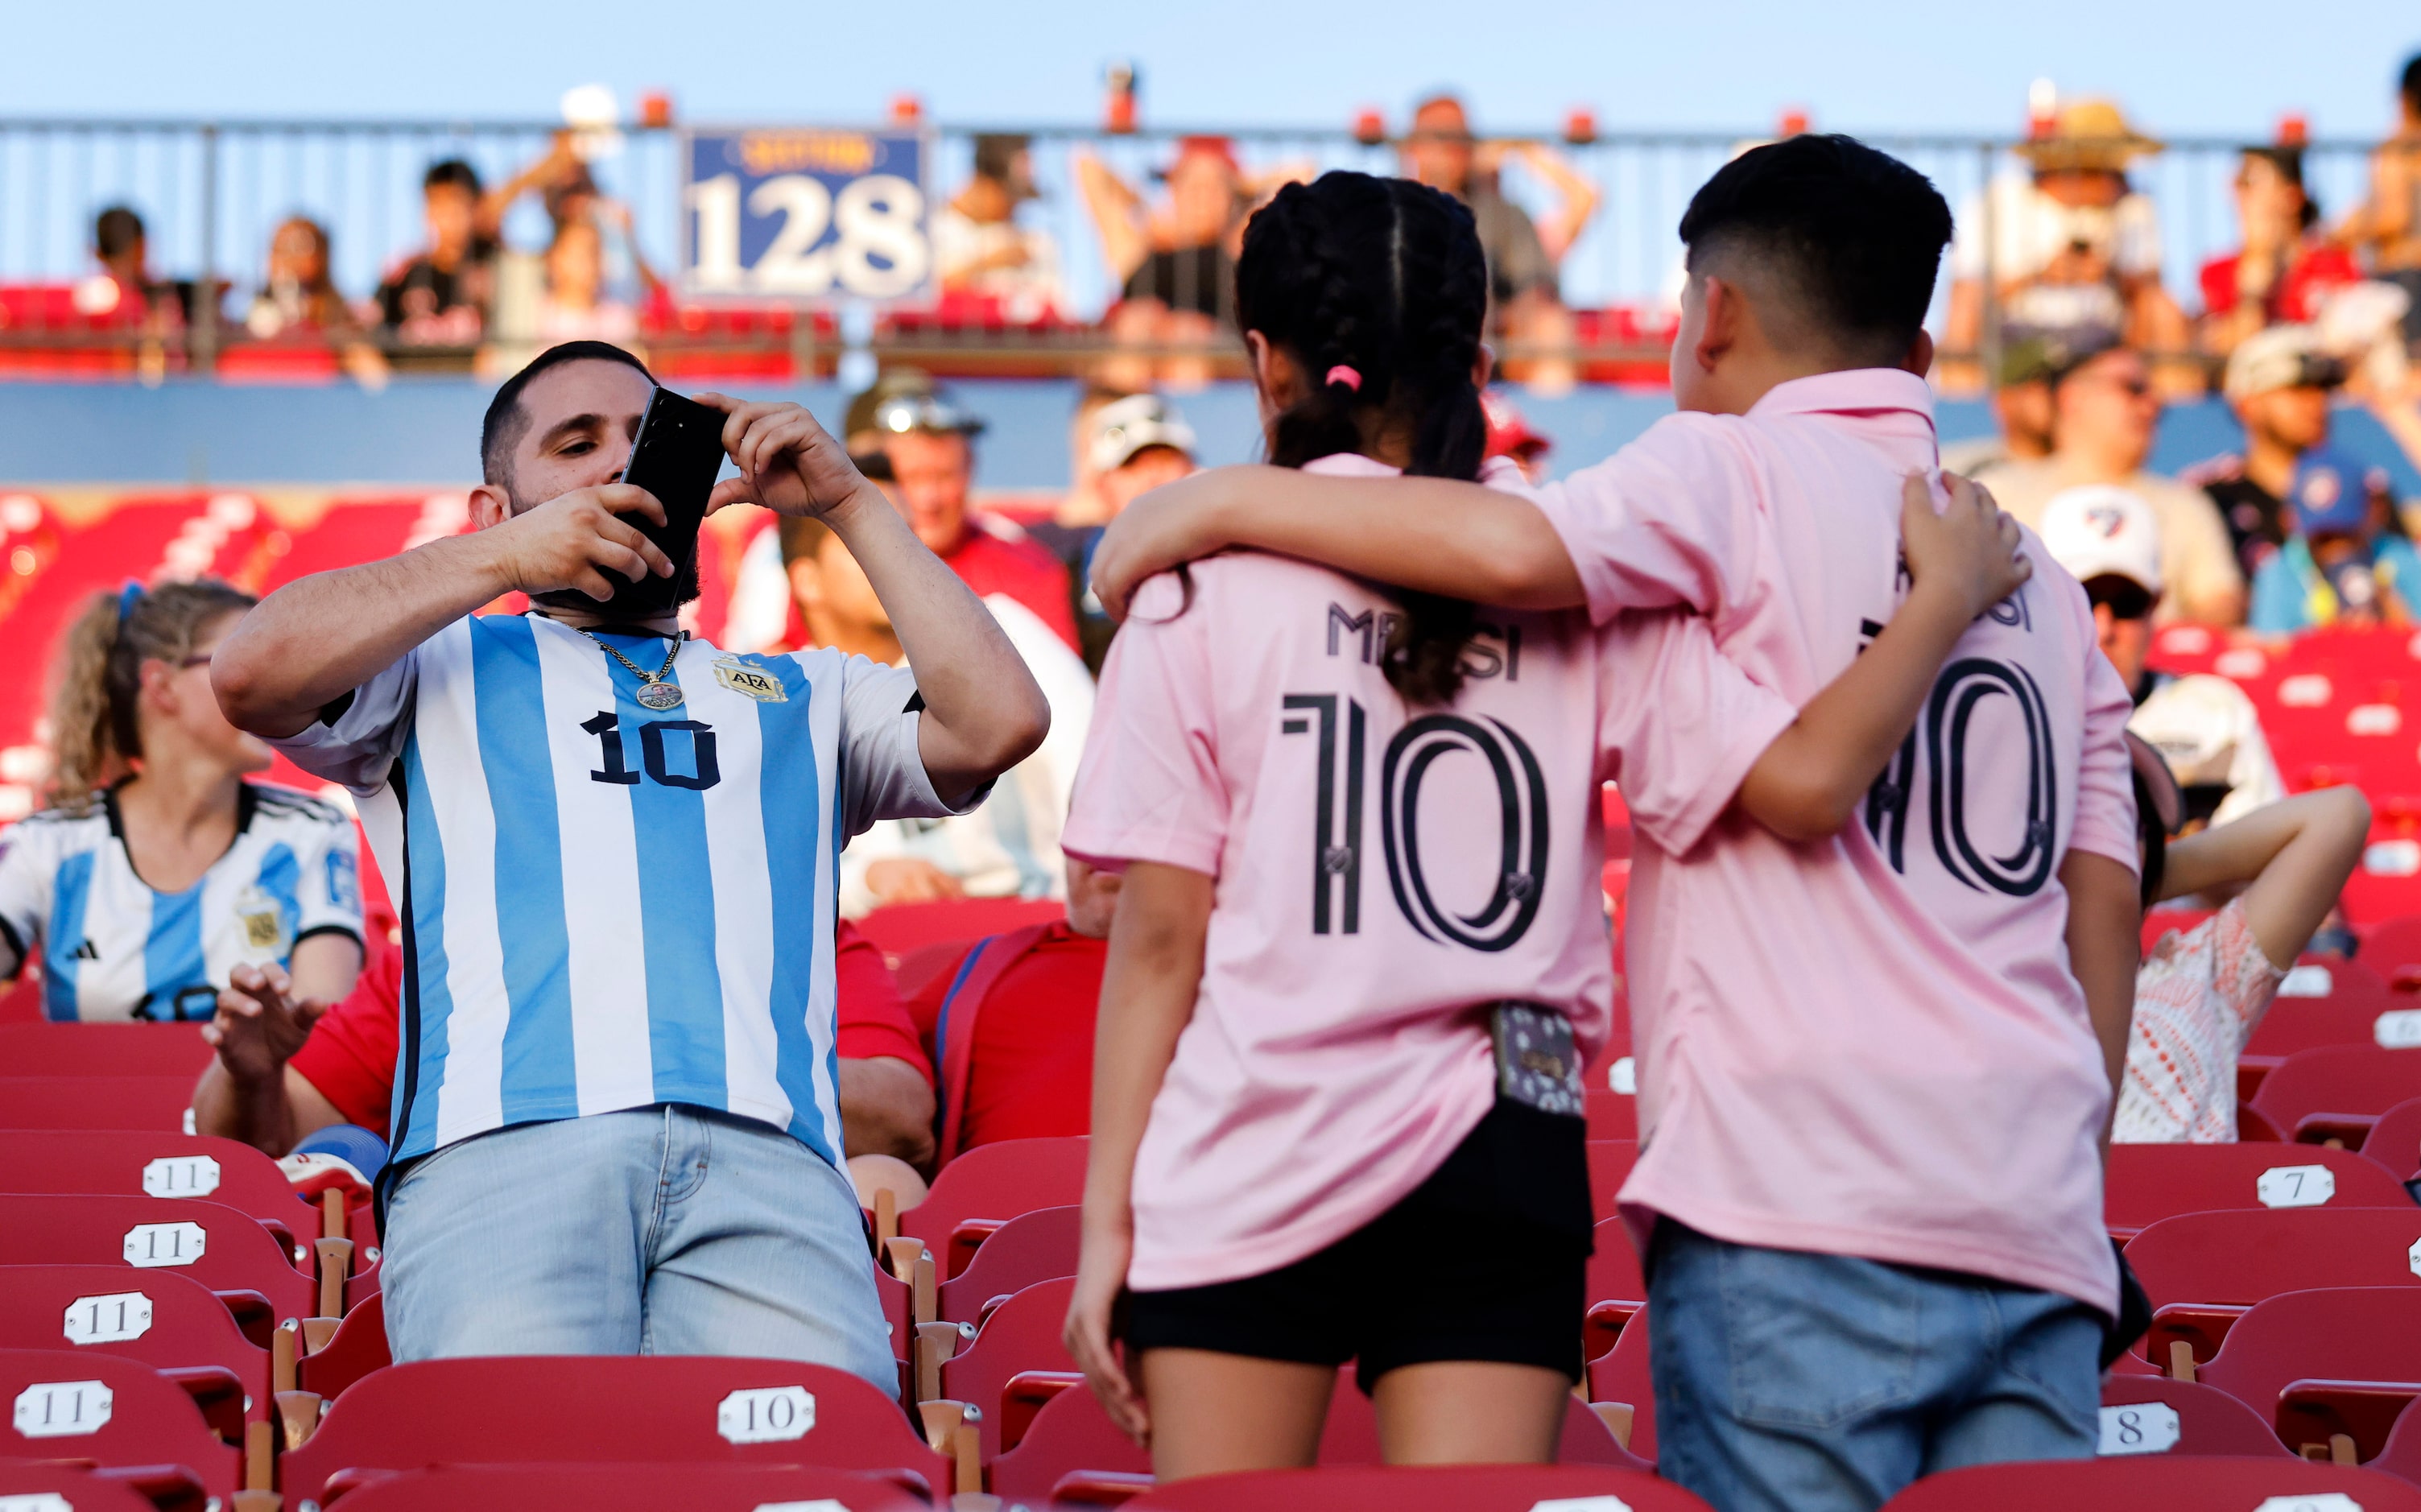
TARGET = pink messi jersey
(1383,873)
(1871,1045)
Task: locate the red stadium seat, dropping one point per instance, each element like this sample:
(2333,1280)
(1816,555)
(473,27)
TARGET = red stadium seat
(158,1103)
(2392,944)
(1036,1246)
(114,1163)
(2394,1141)
(628,1487)
(2321,1364)
(2147,1183)
(2214,1483)
(1616,1289)
(2203,1270)
(658,1410)
(988,1186)
(171,1324)
(903,926)
(75,1488)
(1609,1164)
(1620,1376)
(1422,1489)
(1613,1116)
(2154,1415)
(2356,1012)
(1016,1363)
(236,1256)
(2402,1457)
(111,1413)
(2337,1091)
(104,1050)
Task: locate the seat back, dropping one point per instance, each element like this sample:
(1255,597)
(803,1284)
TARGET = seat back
(2207,1483)
(2339,1335)
(2401,1457)
(1617,1290)
(104,1050)
(2147,1183)
(110,1411)
(205,1241)
(992,1184)
(628,1487)
(533,1410)
(74,1487)
(1613,1116)
(2200,1270)
(1420,1489)
(1022,1335)
(2155,1415)
(1036,1246)
(2337,1090)
(360,1347)
(123,1162)
(158,1103)
(2394,1141)
(1621,1374)
(1609,1166)
(157,1316)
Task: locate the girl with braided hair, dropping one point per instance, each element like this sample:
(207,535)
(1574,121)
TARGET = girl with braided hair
(1360,953)
(156,871)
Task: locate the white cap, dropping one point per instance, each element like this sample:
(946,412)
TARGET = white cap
(1127,425)
(2100,529)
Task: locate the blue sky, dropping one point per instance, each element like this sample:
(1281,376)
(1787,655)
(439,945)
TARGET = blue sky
(2225,67)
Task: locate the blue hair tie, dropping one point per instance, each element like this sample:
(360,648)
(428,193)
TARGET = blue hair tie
(128,597)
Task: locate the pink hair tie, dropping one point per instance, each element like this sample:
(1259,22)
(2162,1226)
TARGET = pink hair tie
(1346,376)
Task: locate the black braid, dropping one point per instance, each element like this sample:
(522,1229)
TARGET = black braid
(1386,277)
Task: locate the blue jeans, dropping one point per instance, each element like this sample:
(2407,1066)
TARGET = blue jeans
(1803,1382)
(664,1230)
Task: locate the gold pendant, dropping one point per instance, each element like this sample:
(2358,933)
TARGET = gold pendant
(658,695)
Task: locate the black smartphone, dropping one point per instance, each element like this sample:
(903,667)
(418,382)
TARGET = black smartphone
(676,457)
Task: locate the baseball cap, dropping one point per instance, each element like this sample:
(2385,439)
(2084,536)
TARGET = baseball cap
(2329,493)
(1508,434)
(1127,425)
(2100,530)
(2031,354)
(2283,356)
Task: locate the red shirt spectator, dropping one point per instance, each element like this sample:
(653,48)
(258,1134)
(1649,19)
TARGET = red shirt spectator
(2316,268)
(351,1055)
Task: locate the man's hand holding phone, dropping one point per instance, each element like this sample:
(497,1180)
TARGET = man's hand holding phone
(562,544)
(787,462)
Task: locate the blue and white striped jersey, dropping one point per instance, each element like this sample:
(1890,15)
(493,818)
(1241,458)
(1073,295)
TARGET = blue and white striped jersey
(113,948)
(604,905)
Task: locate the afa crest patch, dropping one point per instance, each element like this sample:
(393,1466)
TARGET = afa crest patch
(751,683)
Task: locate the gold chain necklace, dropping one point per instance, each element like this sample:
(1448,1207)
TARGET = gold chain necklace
(654,691)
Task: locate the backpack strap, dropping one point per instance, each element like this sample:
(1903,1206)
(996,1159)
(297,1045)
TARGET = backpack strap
(954,1028)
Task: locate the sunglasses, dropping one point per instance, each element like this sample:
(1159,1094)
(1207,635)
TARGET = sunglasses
(2124,597)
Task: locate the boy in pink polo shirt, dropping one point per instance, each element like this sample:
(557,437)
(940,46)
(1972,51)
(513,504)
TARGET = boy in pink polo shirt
(1875,1069)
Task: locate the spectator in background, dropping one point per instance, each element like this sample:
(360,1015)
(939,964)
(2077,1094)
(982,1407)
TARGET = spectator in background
(992,267)
(2109,540)
(2282,271)
(2346,562)
(123,249)
(1509,436)
(1130,446)
(157,869)
(1525,306)
(2021,402)
(289,1064)
(2278,384)
(2387,226)
(1009,847)
(929,443)
(2074,244)
(298,300)
(2104,415)
(441,296)
(1018,1009)
(577,306)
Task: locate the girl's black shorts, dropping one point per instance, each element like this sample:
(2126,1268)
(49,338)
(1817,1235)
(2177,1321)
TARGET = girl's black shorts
(1486,1260)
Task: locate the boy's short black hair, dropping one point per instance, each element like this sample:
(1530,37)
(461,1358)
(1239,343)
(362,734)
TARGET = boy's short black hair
(453,172)
(1845,239)
(2410,84)
(501,430)
(115,231)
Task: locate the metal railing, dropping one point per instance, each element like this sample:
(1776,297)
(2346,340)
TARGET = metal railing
(211,192)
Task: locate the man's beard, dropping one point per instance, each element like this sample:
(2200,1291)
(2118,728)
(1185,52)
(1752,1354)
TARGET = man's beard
(683,587)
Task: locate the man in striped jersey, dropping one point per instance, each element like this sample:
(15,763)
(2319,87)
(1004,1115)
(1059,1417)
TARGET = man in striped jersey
(615,1124)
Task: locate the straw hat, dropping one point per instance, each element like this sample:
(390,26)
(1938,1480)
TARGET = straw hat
(2089,134)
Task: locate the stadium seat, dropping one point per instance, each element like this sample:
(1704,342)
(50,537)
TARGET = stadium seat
(1613,1116)
(2337,1362)
(104,1050)
(903,926)
(2337,1092)
(115,1162)
(655,1408)
(111,1413)
(628,1487)
(171,1324)
(2354,1013)
(205,1241)
(2203,1270)
(356,1347)
(1616,1289)
(1620,1378)
(1609,1165)
(2153,1415)
(1423,1489)
(2147,1183)
(2212,1483)
(161,1104)
(1036,1246)
(26,1482)
(988,1185)
(2392,944)
(2394,1141)
(1016,1363)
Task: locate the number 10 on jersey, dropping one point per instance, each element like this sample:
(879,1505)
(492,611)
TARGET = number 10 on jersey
(795,214)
